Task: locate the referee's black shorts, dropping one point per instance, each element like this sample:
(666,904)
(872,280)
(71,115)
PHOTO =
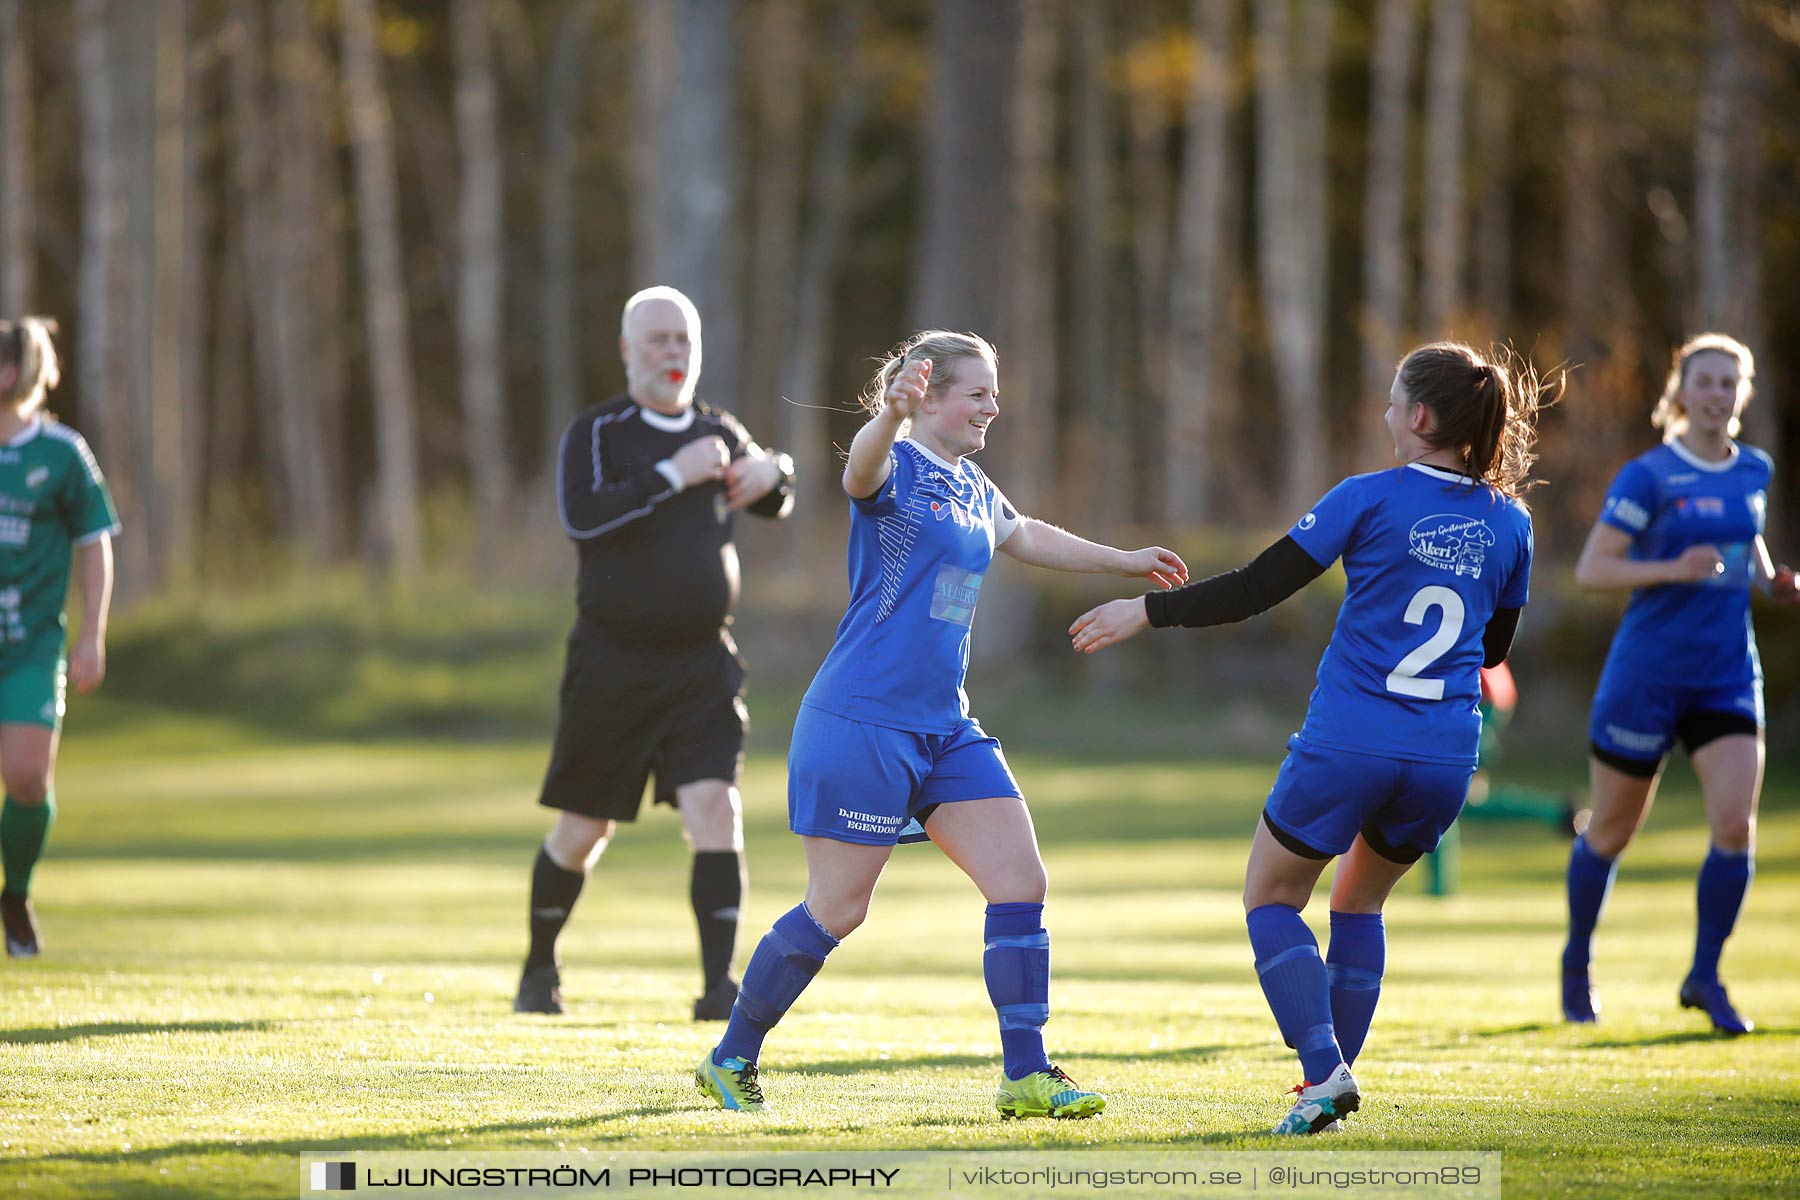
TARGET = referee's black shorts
(627,711)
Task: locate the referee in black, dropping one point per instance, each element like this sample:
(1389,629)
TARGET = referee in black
(648,483)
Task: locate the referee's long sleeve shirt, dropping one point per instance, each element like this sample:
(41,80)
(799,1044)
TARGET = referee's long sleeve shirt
(658,566)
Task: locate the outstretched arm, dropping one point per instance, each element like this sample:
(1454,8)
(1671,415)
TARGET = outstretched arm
(1272,577)
(1037,544)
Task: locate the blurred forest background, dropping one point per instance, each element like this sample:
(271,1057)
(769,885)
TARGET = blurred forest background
(333,274)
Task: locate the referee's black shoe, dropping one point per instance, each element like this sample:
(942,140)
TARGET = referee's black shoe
(540,991)
(716,1004)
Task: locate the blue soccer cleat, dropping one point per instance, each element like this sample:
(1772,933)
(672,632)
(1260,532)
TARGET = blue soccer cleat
(1709,995)
(1581,1004)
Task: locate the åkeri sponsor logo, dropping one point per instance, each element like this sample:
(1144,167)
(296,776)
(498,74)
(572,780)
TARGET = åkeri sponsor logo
(1451,543)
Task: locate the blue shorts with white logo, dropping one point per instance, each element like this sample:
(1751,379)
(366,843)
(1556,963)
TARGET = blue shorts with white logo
(1323,798)
(854,782)
(1638,723)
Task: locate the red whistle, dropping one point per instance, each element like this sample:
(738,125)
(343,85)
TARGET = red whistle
(677,376)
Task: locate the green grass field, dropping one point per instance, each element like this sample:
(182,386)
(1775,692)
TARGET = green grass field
(256,949)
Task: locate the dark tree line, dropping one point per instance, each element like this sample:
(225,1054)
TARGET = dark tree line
(333,273)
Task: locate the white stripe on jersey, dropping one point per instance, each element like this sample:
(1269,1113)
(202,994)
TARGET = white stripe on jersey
(67,436)
(897,532)
(562,453)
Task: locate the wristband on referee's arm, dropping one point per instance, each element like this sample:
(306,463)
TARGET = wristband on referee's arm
(670,472)
(779,501)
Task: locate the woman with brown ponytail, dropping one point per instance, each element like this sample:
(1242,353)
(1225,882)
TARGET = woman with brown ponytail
(54,510)
(1438,557)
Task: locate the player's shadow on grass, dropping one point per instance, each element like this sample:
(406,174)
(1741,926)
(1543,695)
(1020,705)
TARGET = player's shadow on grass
(1684,1036)
(902,1062)
(449,1137)
(74,1033)
(1514,1030)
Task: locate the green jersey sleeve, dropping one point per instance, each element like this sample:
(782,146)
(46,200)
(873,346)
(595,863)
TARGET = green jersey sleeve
(87,505)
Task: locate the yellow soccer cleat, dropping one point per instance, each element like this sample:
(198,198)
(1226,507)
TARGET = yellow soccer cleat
(1046,1094)
(732,1084)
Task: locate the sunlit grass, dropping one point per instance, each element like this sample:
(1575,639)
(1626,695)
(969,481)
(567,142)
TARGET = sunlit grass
(254,950)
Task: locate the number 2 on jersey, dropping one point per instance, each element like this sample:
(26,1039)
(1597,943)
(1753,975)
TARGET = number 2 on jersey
(1404,679)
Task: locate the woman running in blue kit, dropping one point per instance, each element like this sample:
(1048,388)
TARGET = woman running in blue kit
(1683,529)
(1438,557)
(884,737)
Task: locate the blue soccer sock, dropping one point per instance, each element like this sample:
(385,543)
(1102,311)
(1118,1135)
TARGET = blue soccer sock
(1298,990)
(1724,878)
(786,960)
(1590,882)
(1353,964)
(1016,964)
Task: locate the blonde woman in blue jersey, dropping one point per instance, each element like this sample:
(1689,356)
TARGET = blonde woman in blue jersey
(54,508)
(884,741)
(1437,554)
(1682,529)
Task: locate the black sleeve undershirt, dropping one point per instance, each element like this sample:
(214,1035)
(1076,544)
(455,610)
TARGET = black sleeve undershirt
(1497,638)
(1276,574)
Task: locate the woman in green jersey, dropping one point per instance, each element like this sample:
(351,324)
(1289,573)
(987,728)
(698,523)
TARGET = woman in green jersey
(54,510)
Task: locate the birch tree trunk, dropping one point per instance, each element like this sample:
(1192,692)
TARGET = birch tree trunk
(775,236)
(199,277)
(1731,173)
(18,224)
(1291,192)
(1493,203)
(1200,283)
(105,402)
(1028,327)
(309,201)
(139,263)
(481,280)
(653,80)
(557,246)
(1094,460)
(961,268)
(1386,275)
(802,427)
(1445,137)
(1715,174)
(274,280)
(398,537)
(170,412)
(1149,119)
(1606,415)
(700,166)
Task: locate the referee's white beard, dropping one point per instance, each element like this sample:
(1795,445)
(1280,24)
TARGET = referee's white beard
(654,385)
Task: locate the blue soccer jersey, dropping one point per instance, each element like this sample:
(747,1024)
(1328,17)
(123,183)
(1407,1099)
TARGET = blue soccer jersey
(1697,634)
(918,551)
(1429,555)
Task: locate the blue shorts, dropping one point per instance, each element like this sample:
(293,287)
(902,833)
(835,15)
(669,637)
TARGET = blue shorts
(1323,798)
(1634,724)
(853,782)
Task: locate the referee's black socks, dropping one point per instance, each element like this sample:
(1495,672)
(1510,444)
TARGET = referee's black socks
(553,893)
(717,890)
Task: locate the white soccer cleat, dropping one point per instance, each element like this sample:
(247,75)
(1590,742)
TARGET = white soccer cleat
(1321,1104)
